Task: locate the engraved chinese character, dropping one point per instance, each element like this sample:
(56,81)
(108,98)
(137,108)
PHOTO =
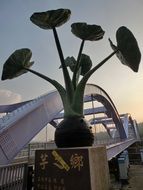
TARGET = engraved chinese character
(55,184)
(62,181)
(76,161)
(49,183)
(38,185)
(42,179)
(49,180)
(43,161)
(58,184)
(61,163)
(39,179)
(46,179)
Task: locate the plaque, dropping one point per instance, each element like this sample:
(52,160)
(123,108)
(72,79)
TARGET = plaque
(62,169)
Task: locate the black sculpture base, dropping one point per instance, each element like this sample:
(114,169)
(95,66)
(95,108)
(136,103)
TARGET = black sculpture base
(73,132)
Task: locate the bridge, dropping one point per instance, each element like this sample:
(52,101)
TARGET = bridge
(24,120)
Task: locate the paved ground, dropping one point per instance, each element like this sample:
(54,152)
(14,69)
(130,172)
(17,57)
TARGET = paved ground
(135,179)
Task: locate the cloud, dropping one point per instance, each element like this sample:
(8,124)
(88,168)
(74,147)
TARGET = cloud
(8,97)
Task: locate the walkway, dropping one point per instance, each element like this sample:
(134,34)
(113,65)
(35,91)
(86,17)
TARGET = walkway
(135,179)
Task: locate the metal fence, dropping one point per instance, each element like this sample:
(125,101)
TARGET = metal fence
(13,177)
(28,153)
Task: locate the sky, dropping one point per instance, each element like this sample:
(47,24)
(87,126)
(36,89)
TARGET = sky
(17,31)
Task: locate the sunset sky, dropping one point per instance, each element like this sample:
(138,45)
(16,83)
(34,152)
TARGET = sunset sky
(17,31)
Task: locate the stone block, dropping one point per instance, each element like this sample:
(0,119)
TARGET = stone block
(72,168)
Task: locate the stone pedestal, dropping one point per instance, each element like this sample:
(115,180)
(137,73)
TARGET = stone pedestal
(72,168)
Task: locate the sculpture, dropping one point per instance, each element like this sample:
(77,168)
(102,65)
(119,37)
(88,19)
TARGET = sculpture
(73,131)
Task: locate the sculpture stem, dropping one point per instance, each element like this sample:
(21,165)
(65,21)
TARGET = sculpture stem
(67,79)
(77,66)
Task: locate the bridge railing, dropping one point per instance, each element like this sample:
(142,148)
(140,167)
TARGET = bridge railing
(107,141)
(114,146)
(28,153)
(13,176)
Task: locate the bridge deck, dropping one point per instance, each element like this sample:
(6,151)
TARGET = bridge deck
(113,149)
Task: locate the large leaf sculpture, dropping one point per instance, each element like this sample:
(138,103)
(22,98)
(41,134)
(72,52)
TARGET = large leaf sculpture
(16,64)
(129,53)
(73,130)
(51,19)
(85,31)
(85,64)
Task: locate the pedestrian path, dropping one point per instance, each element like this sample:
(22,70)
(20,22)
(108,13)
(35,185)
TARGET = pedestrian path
(135,181)
(135,178)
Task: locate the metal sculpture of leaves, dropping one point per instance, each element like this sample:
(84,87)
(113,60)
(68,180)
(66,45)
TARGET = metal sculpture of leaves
(15,64)
(70,62)
(87,32)
(128,50)
(85,63)
(51,19)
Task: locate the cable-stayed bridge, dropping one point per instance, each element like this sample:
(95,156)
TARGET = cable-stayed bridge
(24,120)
